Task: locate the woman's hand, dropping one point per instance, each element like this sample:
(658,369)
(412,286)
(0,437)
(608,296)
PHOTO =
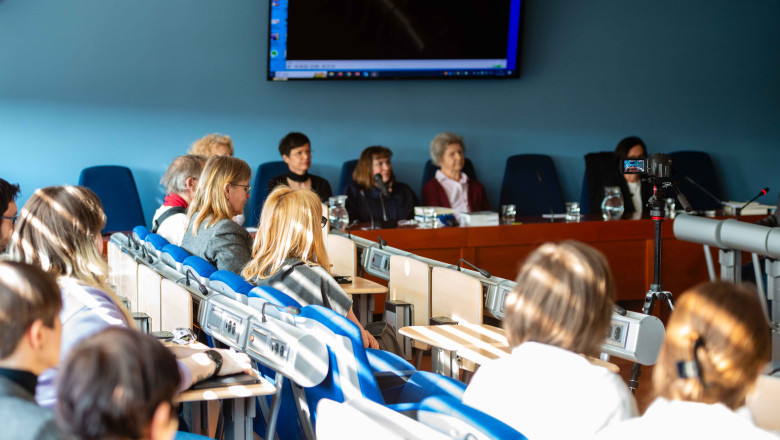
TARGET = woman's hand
(368,340)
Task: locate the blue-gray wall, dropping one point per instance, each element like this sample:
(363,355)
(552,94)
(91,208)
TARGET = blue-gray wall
(86,82)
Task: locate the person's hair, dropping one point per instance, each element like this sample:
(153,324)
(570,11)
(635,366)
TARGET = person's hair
(207,145)
(626,144)
(27,294)
(563,298)
(111,384)
(720,328)
(210,199)
(56,231)
(292,140)
(362,175)
(182,168)
(441,141)
(8,193)
(290,227)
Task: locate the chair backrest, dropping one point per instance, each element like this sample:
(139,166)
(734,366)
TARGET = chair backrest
(175,306)
(149,295)
(698,166)
(199,267)
(115,186)
(231,285)
(601,169)
(430,170)
(140,233)
(126,279)
(174,256)
(265,172)
(346,175)
(410,281)
(455,295)
(342,253)
(273,296)
(447,414)
(522,186)
(155,244)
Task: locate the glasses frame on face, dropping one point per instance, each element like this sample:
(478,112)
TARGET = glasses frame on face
(13,219)
(323,221)
(247,188)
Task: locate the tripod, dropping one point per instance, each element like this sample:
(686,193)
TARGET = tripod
(656,292)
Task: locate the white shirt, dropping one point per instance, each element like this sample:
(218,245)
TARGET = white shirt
(635,188)
(457,191)
(546,392)
(173,228)
(677,419)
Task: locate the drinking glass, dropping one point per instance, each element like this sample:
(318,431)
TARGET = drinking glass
(612,206)
(508,214)
(572,211)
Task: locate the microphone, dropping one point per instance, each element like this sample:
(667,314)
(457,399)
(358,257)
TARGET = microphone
(544,191)
(368,206)
(482,272)
(380,184)
(704,190)
(349,226)
(381,241)
(201,288)
(760,193)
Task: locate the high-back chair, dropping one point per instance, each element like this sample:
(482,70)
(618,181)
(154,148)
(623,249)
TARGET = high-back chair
(456,296)
(198,268)
(174,256)
(265,172)
(531,184)
(698,166)
(154,244)
(230,284)
(115,187)
(346,175)
(342,253)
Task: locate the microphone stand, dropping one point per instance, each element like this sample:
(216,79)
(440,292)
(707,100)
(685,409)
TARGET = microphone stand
(739,210)
(368,206)
(546,196)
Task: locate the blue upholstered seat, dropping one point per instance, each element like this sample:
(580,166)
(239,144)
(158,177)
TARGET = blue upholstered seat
(201,268)
(115,187)
(522,187)
(140,232)
(265,172)
(230,284)
(478,422)
(174,256)
(346,175)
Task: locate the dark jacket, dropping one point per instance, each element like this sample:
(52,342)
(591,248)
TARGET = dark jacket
(434,195)
(364,205)
(319,185)
(602,169)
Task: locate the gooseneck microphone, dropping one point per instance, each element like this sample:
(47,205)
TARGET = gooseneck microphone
(482,272)
(382,193)
(368,206)
(704,190)
(546,196)
(760,193)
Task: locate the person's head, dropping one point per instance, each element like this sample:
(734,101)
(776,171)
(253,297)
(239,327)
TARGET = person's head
(30,327)
(718,329)
(214,144)
(563,298)
(295,149)
(631,147)
(182,176)
(290,227)
(448,152)
(373,160)
(118,384)
(8,208)
(59,231)
(222,191)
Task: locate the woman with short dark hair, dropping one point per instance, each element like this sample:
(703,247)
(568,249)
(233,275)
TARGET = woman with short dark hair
(295,149)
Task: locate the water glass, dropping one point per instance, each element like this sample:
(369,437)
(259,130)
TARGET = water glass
(670,207)
(612,206)
(429,217)
(572,211)
(337,212)
(508,214)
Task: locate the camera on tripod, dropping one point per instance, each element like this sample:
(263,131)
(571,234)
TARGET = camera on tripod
(656,167)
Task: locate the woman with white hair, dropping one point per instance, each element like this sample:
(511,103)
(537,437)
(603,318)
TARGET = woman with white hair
(180,181)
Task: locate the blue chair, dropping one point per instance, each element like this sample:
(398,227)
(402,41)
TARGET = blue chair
(698,166)
(435,411)
(522,186)
(430,170)
(155,244)
(231,285)
(265,172)
(140,233)
(346,175)
(115,186)
(174,256)
(200,268)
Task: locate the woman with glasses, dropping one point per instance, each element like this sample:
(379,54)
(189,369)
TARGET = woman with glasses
(211,233)
(289,254)
(295,149)
(8,208)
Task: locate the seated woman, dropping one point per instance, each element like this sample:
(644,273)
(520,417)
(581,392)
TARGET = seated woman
(364,198)
(559,311)
(289,254)
(211,232)
(635,192)
(717,342)
(295,149)
(118,384)
(59,231)
(451,187)
(180,181)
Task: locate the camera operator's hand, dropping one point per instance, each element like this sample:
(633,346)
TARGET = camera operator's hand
(234,362)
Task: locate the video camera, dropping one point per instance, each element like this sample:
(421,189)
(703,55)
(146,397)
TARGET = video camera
(656,167)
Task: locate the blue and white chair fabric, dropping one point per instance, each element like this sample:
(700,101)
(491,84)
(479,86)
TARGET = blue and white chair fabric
(154,244)
(140,233)
(231,285)
(174,256)
(450,415)
(198,268)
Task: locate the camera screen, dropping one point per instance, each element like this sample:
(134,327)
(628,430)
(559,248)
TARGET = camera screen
(633,166)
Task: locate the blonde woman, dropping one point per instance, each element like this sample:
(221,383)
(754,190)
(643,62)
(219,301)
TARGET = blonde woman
(559,311)
(59,231)
(289,254)
(717,342)
(213,144)
(211,232)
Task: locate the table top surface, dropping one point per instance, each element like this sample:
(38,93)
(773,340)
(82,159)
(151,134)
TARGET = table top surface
(361,286)
(263,388)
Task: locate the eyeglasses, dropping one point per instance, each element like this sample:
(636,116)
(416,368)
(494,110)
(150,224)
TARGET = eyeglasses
(13,219)
(247,188)
(323,222)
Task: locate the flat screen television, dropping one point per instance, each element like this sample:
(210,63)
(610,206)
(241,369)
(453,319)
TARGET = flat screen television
(393,39)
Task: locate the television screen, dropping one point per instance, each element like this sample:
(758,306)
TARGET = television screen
(381,39)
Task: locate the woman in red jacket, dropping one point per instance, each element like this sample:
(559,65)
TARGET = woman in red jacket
(450,187)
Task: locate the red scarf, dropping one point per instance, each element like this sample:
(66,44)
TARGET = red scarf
(175,200)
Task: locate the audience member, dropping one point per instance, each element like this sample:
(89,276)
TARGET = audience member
(295,149)
(635,192)
(214,144)
(211,233)
(364,197)
(289,254)
(59,231)
(717,342)
(451,187)
(559,310)
(30,330)
(8,194)
(119,384)
(180,181)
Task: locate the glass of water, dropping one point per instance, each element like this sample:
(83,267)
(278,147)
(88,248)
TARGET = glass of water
(429,217)
(612,206)
(670,207)
(508,213)
(572,211)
